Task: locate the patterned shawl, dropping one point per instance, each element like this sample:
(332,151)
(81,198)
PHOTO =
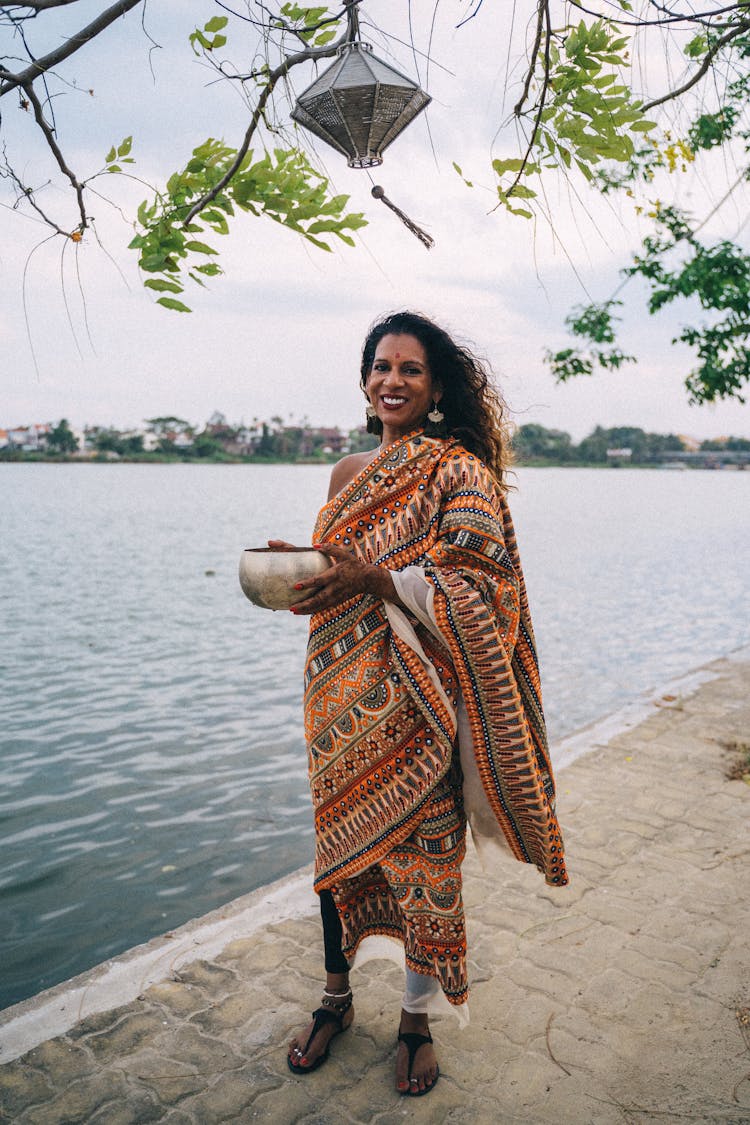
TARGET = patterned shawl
(380,732)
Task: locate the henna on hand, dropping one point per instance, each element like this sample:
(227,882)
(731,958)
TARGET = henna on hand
(344,579)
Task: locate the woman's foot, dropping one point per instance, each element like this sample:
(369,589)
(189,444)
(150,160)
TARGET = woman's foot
(309,1050)
(417,1068)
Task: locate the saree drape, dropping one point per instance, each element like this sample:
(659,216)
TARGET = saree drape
(380,712)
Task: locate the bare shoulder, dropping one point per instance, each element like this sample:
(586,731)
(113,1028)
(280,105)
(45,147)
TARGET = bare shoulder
(347,469)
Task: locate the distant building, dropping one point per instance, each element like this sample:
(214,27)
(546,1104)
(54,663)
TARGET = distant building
(29,439)
(332,438)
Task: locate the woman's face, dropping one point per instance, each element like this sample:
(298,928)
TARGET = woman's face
(400,385)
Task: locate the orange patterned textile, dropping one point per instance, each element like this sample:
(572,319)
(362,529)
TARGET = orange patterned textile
(381,727)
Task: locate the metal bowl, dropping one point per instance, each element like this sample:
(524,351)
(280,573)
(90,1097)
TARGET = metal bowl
(268,574)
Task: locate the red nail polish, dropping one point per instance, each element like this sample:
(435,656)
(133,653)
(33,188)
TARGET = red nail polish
(298,586)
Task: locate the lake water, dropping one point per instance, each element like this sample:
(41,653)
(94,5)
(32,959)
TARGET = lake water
(152,758)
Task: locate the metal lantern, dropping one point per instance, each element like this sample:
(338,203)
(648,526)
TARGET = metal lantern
(359,104)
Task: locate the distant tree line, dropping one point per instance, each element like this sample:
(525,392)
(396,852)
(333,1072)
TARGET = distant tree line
(619,444)
(170,437)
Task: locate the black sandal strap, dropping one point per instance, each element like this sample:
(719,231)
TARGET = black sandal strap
(322,1016)
(413,1041)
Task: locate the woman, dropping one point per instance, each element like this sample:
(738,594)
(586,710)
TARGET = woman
(422,699)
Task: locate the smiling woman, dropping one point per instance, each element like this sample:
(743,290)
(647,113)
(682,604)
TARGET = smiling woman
(422,697)
(400,385)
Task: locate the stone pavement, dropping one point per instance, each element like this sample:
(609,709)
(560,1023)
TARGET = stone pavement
(624,998)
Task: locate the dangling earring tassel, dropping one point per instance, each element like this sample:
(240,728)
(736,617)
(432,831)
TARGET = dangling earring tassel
(373,425)
(435,425)
(427,240)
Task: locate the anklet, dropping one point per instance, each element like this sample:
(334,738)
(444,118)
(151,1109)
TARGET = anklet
(339,1002)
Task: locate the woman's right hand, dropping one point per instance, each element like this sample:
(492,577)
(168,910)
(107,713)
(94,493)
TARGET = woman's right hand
(281,545)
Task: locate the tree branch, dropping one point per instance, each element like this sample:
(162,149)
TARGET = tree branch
(27,193)
(544,6)
(273,78)
(703,18)
(55,148)
(532,62)
(66,49)
(470,15)
(36,5)
(703,69)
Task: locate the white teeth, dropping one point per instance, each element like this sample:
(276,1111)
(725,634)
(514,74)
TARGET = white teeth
(392,401)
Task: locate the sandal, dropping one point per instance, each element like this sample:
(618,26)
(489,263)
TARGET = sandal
(328,1012)
(414,1041)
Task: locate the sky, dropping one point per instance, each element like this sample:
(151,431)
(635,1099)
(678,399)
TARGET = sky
(280,333)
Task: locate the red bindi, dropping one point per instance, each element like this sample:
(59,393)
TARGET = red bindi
(398,355)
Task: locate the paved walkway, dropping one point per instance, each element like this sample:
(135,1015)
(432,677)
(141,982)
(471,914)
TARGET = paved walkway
(623,999)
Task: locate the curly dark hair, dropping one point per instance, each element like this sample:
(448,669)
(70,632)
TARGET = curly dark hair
(475,412)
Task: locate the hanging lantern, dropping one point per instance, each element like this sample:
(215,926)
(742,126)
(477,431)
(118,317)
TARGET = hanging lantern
(359,105)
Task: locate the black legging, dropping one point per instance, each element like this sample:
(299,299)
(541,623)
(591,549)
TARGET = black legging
(332,935)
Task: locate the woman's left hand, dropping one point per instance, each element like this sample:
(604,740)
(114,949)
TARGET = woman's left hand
(346,578)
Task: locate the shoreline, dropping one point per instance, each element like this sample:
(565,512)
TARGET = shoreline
(121,979)
(32,459)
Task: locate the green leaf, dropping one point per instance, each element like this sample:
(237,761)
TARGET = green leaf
(317,242)
(125,147)
(199,37)
(217,220)
(110,156)
(172,303)
(697,46)
(153,263)
(161,285)
(216,23)
(521,191)
(199,247)
(642,126)
(514,164)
